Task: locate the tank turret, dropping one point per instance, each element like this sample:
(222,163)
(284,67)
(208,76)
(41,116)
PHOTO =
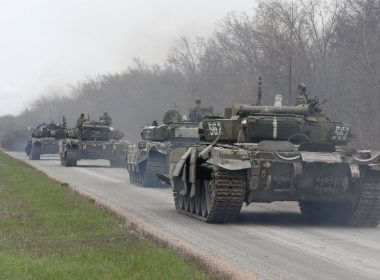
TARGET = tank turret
(173,128)
(297,124)
(93,140)
(150,156)
(44,139)
(261,154)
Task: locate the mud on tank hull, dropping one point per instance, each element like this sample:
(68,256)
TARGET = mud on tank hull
(71,151)
(339,186)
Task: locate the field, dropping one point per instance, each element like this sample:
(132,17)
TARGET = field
(49,232)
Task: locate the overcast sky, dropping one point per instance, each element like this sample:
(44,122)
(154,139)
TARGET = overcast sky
(47,44)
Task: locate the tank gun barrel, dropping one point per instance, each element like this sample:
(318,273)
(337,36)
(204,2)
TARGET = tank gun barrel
(296,110)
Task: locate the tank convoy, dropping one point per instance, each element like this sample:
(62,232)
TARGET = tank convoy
(93,140)
(264,154)
(45,138)
(149,157)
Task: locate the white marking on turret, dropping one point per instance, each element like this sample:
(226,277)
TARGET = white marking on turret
(278,100)
(274,127)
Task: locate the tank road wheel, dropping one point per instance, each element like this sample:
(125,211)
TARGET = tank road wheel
(225,195)
(365,212)
(35,153)
(177,186)
(186,202)
(204,199)
(197,199)
(192,205)
(210,194)
(181,202)
(217,200)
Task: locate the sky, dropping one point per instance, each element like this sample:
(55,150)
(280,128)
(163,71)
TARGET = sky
(46,45)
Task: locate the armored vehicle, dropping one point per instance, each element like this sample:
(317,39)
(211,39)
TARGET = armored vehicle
(45,138)
(150,156)
(263,154)
(93,140)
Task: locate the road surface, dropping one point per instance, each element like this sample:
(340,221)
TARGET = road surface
(270,240)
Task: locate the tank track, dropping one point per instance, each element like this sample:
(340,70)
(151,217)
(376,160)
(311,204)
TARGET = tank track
(367,212)
(147,178)
(228,197)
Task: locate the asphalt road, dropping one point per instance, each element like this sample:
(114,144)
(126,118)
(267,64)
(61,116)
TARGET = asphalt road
(270,240)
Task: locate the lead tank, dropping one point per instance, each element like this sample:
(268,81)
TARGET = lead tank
(277,153)
(45,138)
(93,140)
(149,157)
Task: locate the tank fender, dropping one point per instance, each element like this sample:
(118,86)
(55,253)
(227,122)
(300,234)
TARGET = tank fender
(144,154)
(181,163)
(230,159)
(295,158)
(230,164)
(160,148)
(375,158)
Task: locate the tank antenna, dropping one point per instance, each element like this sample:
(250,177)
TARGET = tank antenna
(259,92)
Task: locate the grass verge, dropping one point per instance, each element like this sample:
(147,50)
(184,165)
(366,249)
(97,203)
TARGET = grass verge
(49,232)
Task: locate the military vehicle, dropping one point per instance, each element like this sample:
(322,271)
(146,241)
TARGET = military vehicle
(263,154)
(45,138)
(150,156)
(93,140)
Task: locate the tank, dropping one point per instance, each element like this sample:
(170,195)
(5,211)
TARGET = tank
(262,154)
(149,157)
(93,140)
(44,139)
